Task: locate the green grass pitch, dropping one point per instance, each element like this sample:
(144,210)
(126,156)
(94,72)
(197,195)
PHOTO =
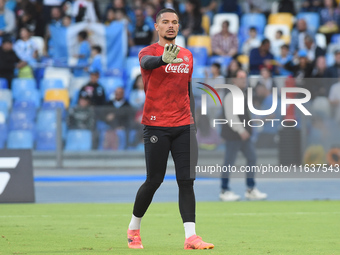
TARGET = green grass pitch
(235,228)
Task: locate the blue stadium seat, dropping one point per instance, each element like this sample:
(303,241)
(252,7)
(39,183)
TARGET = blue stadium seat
(110,84)
(22,125)
(130,63)
(4,108)
(74,99)
(200,55)
(223,61)
(312,19)
(19,85)
(46,141)
(25,106)
(29,95)
(335,39)
(47,120)
(3,83)
(78,140)
(121,133)
(199,72)
(257,20)
(3,135)
(46,84)
(6,95)
(134,50)
(20,139)
(54,105)
(18,116)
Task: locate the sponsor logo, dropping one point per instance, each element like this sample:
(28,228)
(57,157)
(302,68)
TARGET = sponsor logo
(182,68)
(154,139)
(7,163)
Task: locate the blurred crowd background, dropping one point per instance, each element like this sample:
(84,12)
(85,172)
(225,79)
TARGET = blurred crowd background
(81,57)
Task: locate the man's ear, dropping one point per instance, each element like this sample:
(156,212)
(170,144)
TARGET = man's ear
(156,26)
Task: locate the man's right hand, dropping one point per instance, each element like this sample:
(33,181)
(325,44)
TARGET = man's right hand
(245,135)
(170,54)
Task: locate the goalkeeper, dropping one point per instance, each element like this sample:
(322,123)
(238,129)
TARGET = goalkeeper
(168,127)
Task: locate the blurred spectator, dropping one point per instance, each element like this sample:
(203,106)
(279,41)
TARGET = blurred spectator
(208,7)
(83,55)
(303,69)
(26,15)
(9,61)
(252,41)
(207,137)
(334,98)
(82,116)
(256,6)
(277,43)
(311,6)
(264,101)
(329,19)
(84,10)
(110,16)
(224,43)
(67,21)
(260,57)
(122,16)
(94,90)
(150,12)
(7,20)
(27,51)
(119,113)
(266,78)
(283,59)
(233,68)
(47,7)
(96,65)
(334,71)
(320,85)
(141,32)
(192,19)
(213,78)
(171,4)
(56,17)
(228,6)
(313,51)
(121,5)
(137,96)
(287,6)
(298,36)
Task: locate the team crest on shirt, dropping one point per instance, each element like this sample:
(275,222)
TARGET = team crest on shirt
(186,58)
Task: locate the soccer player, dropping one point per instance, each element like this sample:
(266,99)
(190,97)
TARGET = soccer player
(168,127)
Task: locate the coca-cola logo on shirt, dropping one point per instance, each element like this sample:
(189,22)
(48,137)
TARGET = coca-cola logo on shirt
(182,68)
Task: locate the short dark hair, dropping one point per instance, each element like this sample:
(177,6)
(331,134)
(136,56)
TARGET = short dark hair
(165,11)
(226,22)
(265,41)
(253,28)
(83,35)
(97,48)
(285,46)
(280,32)
(218,65)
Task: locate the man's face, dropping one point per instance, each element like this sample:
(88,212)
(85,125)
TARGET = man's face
(266,46)
(7,46)
(119,94)
(94,77)
(241,80)
(139,16)
(24,34)
(55,13)
(167,26)
(301,25)
(225,27)
(337,58)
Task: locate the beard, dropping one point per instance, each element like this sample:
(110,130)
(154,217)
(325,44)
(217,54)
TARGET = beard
(169,38)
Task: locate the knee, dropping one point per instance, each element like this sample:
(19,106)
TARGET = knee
(152,185)
(185,184)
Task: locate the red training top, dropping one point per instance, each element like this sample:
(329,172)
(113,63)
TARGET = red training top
(167,102)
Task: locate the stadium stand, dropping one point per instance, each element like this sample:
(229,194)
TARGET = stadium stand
(20,139)
(57,95)
(46,84)
(78,140)
(3,83)
(200,41)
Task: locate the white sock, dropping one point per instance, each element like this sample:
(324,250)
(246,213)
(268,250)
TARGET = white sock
(189,229)
(135,223)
